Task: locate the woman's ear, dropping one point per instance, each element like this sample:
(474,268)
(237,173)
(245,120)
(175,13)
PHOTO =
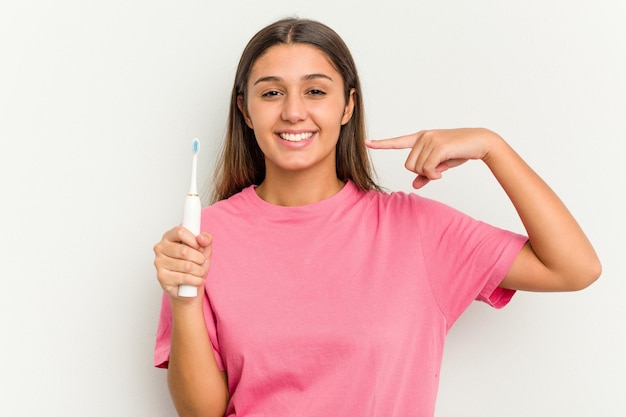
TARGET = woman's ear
(349,109)
(242,108)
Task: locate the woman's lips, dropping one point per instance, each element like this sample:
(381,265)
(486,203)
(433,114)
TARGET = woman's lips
(296,137)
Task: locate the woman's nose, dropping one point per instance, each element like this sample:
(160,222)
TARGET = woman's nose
(294,109)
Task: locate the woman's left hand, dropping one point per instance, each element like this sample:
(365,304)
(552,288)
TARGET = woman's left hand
(435,151)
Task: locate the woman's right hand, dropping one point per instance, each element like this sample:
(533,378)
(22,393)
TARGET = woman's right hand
(182,258)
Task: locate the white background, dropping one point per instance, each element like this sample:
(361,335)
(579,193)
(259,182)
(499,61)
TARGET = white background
(99,102)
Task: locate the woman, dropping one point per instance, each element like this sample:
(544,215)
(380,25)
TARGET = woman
(324,295)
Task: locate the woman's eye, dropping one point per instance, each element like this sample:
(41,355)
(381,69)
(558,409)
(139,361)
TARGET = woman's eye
(272,93)
(315,92)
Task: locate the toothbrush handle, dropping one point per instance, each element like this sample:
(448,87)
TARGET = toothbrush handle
(191,222)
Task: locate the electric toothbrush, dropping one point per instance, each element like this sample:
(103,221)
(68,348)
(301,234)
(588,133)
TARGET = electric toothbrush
(191,213)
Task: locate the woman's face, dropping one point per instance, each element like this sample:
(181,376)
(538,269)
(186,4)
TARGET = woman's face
(295,104)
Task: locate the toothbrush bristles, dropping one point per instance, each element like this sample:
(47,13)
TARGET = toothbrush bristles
(195,145)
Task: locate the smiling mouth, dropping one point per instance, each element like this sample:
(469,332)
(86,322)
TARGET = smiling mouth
(296,137)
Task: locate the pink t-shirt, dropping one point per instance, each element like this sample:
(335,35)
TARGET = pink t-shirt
(341,308)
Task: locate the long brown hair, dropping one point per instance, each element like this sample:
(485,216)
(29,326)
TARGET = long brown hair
(241,162)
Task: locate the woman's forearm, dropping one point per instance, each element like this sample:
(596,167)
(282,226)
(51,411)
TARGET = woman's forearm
(197,386)
(567,259)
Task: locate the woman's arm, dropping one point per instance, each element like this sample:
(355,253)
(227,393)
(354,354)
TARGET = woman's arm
(197,386)
(558,256)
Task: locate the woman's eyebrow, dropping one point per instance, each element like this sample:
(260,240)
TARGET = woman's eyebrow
(314,76)
(268,79)
(274,78)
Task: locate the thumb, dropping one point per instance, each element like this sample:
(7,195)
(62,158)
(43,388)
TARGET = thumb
(204,239)
(400,142)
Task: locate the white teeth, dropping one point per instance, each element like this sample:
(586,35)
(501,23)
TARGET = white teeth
(296,137)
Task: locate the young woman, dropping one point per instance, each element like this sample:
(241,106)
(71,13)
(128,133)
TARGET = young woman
(324,295)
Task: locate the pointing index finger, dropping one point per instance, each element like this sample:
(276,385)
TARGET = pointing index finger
(400,142)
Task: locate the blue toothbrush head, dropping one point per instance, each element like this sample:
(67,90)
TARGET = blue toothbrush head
(195,145)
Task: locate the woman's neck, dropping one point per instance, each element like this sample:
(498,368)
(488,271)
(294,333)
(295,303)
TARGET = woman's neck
(298,189)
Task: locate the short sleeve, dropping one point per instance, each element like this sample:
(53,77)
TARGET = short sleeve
(467,259)
(164,333)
